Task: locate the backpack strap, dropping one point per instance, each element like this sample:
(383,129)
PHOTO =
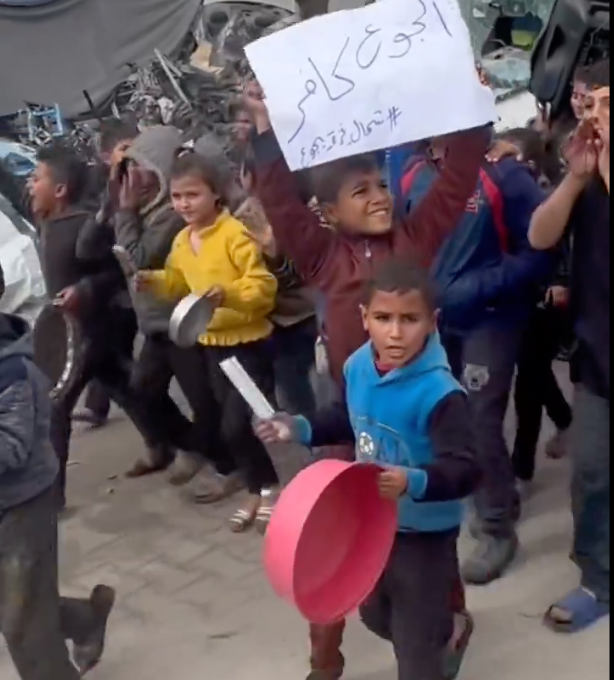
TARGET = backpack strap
(491,189)
(497,206)
(411,173)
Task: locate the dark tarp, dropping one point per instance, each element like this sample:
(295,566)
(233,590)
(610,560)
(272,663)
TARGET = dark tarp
(50,53)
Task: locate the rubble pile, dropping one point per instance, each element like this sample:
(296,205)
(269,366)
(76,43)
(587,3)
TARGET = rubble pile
(192,90)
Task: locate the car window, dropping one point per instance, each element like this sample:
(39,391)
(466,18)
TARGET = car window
(503,34)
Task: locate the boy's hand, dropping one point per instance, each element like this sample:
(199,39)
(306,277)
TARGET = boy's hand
(558,296)
(276,430)
(143,282)
(131,189)
(254,102)
(604,161)
(392,483)
(503,149)
(265,240)
(68,299)
(215,295)
(581,152)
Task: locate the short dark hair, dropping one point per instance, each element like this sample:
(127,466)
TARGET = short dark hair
(532,146)
(595,75)
(328,179)
(116,130)
(67,168)
(192,164)
(402,276)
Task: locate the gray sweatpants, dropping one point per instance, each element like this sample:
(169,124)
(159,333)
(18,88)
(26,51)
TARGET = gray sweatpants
(590,450)
(485,361)
(34,620)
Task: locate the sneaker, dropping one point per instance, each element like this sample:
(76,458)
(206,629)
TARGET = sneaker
(88,653)
(556,448)
(490,560)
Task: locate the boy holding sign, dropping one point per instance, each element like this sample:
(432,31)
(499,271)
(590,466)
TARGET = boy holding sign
(337,262)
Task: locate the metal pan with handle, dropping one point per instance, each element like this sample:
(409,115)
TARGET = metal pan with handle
(59,349)
(190,319)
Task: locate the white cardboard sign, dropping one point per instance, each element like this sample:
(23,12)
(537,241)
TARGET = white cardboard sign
(366,79)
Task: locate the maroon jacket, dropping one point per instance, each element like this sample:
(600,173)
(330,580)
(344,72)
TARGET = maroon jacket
(339,264)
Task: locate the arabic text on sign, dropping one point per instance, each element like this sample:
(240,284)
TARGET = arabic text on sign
(347,70)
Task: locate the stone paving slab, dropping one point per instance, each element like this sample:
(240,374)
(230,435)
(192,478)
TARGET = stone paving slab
(193,602)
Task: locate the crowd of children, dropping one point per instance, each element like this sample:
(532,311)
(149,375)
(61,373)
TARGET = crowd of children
(427,303)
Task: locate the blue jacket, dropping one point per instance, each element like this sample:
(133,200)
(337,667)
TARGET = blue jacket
(390,416)
(28,466)
(487,272)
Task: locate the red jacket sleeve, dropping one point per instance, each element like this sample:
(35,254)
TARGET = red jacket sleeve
(430,223)
(296,228)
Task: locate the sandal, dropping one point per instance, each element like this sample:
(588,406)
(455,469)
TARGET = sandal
(455,654)
(244,518)
(576,612)
(268,499)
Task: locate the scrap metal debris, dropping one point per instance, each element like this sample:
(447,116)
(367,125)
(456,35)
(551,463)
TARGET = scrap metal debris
(192,90)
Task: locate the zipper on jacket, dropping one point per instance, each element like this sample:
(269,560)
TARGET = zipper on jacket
(369,259)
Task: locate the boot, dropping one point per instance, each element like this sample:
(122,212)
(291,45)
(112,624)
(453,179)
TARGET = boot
(490,560)
(87,654)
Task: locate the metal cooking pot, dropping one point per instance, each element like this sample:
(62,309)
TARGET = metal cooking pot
(189,320)
(59,349)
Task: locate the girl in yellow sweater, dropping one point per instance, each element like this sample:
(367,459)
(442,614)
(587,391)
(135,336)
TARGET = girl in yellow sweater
(214,256)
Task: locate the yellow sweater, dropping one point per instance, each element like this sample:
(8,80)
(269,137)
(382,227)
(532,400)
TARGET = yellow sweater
(228,258)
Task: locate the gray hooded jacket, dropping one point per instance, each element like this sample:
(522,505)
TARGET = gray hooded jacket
(28,466)
(148,234)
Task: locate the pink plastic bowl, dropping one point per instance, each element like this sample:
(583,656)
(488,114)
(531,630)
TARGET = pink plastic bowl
(329,539)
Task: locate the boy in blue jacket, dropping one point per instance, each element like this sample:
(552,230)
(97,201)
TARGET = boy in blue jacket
(35,621)
(489,279)
(406,412)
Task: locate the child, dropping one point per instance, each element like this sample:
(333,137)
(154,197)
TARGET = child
(116,135)
(581,205)
(34,620)
(336,262)
(294,316)
(489,278)
(215,257)
(145,225)
(82,288)
(406,412)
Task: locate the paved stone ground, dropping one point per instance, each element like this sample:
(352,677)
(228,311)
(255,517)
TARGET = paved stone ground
(193,602)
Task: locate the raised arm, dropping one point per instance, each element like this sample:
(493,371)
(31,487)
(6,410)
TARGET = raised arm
(297,230)
(551,219)
(430,223)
